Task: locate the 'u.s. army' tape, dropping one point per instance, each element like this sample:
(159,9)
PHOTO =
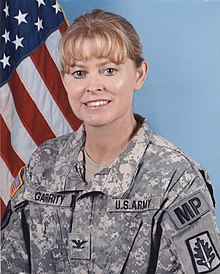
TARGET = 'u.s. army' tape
(133,205)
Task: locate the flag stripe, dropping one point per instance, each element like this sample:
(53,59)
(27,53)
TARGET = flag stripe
(21,141)
(63,28)
(6,180)
(3,207)
(43,99)
(41,59)
(33,102)
(28,112)
(13,162)
(52,44)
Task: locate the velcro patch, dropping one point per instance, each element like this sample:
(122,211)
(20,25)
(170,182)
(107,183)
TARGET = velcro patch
(80,246)
(49,198)
(133,205)
(188,210)
(16,184)
(203,253)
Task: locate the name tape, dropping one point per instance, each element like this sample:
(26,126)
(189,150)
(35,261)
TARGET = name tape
(49,198)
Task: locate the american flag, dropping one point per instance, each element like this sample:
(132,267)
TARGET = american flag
(33,103)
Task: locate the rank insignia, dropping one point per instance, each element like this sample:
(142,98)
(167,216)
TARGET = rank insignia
(79,246)
(16,184)
(203,253)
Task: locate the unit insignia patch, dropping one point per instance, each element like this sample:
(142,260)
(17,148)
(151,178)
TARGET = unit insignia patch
(203,253)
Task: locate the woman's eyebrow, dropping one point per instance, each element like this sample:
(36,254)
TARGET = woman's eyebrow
(79,65)
(100,64)
(104,63)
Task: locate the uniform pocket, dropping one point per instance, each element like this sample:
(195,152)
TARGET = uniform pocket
(123,246)
(47,237)
(112,241)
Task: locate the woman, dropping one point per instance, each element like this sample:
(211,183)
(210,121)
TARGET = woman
(112,197)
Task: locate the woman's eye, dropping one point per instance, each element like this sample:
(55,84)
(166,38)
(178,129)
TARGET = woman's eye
(79,74)
(110,71)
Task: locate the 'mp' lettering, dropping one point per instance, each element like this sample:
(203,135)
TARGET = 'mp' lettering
(189,209)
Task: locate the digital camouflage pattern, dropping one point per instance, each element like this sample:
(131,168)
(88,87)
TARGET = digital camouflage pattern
(150,211)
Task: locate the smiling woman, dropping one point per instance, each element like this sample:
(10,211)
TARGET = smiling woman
(112,197)
(100,91)
(101,68)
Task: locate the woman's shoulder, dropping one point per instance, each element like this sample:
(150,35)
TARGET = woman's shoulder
(56,143)
(180,164)
(52,159)
(172,153)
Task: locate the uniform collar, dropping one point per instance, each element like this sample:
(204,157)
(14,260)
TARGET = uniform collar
(116,179)
(69,167)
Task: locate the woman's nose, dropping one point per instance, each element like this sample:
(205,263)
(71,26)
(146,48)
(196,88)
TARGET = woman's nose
(95,84)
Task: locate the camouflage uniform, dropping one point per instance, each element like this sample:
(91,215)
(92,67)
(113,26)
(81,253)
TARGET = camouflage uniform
(150,211)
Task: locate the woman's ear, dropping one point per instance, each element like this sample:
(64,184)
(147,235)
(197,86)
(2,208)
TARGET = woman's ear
(141,75)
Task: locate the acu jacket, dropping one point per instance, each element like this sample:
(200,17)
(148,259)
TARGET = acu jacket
(150,211)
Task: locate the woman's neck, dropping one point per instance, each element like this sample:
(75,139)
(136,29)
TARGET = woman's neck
(104,144)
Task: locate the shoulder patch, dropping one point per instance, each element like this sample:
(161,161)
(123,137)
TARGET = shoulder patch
(189,209)
(16,184)
(203,253)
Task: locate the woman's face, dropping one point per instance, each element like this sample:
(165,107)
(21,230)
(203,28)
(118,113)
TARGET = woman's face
(100,91)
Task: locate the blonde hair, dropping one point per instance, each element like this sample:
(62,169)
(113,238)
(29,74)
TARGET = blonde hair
(112,35)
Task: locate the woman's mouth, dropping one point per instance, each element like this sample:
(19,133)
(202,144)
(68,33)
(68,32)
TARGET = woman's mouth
(97,103)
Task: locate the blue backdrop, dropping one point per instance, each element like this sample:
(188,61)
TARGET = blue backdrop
(181,97)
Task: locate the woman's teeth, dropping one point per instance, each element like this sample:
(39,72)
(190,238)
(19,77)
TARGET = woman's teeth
(97,103)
